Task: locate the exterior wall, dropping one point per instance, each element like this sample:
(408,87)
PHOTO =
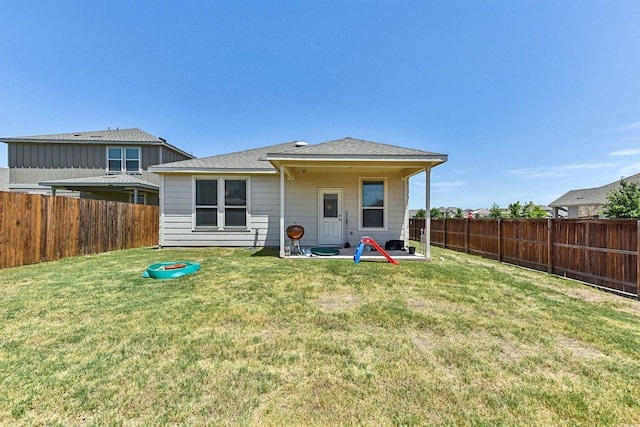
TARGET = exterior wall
(4,179)
(34,175)
(80,156)
(301,207)
(168,156)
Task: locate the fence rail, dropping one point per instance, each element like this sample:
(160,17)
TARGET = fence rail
(601,252)
(36,228)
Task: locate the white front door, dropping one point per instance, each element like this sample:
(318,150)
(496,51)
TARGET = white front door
(330,216)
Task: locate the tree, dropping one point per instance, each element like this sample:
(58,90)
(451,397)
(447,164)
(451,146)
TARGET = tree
(436,214)
(459,213)
(529,210)
(515,210)
(495,211)
(421,213)
(623,202)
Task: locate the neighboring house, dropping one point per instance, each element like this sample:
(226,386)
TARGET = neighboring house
(4,179)
(448,212)
(338,191)
(108,164)
(586,202)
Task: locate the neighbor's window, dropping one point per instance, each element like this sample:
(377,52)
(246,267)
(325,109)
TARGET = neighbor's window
(206,203)
(373,203)
(114,159)
(132,159)
(141,200)
(121,160)
(228,210)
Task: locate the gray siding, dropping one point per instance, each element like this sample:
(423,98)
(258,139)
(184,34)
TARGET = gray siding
(56,156)
(4,179)
(301,207)
(169,156)
(94,156)
(176,227)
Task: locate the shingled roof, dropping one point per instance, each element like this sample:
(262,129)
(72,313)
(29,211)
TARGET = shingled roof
(259,159)
(590,196)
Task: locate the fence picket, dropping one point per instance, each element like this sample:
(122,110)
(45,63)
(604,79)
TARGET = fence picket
(600,252)
(36,228)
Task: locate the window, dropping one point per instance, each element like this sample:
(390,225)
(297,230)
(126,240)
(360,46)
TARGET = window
(206,203)
(132,159)
(235,200)
(230,210)
(123,160)
(114,159)
(142,199)
(373,203)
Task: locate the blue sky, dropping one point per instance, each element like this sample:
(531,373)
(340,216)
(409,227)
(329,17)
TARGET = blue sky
(529,98)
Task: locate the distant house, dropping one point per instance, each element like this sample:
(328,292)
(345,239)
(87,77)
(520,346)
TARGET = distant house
(338,191)
(107,164)
(4,179)
(586,202)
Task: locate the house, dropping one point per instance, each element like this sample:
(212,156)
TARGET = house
(586,202)
(338,191)
(4,179)
(107,164)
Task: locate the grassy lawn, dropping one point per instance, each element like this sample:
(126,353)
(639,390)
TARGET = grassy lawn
(255,340)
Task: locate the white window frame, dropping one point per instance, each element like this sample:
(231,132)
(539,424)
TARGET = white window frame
(385,206)
(123,160)
(221,204)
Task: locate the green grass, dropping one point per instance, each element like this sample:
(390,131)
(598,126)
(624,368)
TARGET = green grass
(255,340)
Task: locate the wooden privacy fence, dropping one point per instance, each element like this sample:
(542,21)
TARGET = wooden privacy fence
(600,252)
(36,228)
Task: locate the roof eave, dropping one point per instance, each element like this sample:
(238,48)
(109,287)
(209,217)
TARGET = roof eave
(195,170)
(98,184)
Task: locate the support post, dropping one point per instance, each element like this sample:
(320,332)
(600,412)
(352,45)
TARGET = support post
(427,222)
(281,211)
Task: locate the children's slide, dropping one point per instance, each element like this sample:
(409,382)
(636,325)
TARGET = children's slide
(369,241)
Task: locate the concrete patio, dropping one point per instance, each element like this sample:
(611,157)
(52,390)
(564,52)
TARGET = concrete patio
(367,256)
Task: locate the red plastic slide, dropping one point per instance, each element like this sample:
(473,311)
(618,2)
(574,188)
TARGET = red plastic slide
(370,241)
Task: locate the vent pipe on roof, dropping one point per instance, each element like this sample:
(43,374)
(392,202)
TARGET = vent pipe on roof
(301,144)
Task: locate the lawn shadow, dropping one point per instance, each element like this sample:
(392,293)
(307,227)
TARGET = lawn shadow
(267,252)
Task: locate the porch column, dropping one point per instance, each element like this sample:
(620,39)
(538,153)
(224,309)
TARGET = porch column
(427,216)
(281,211)
(135,195)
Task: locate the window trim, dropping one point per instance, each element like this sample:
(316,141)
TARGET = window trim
(221,204)
(123,160)
(385,207)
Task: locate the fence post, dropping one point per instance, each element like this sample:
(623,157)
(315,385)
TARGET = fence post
(550,246)
(466,235)
(638,259)
(499,240)
(444,233)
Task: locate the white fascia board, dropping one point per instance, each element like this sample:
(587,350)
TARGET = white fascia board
(187,170)
(358,158)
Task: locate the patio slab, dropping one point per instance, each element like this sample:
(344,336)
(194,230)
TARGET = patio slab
(347,253)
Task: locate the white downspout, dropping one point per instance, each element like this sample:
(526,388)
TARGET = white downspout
(427,221)
(281,211)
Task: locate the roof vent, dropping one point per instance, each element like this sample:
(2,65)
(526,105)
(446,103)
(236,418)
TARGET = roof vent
(301,144)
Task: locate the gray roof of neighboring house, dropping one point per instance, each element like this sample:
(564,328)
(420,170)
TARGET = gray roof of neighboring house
(119,180)
(590,196)
(258,159)
(110,136)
